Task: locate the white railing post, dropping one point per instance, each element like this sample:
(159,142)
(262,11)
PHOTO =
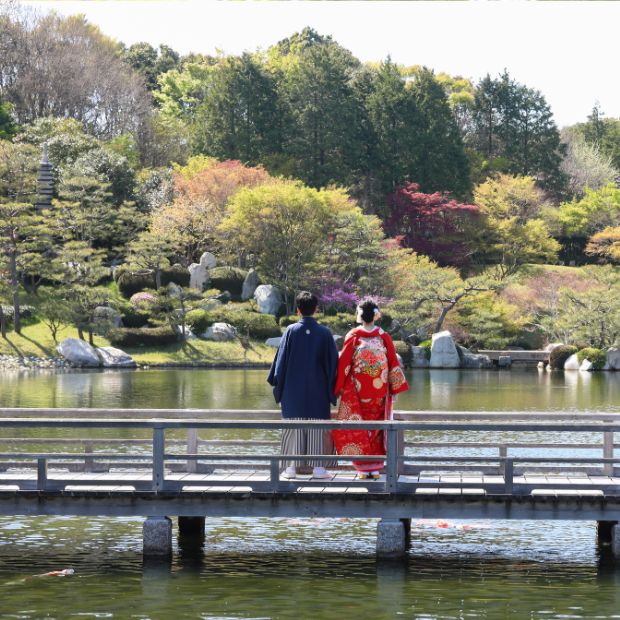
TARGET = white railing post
(192,448)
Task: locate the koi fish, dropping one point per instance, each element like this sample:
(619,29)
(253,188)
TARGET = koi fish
(57,573)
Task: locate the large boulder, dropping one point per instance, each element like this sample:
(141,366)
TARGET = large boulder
(572,363)
(419,359)
(443,351)
(112,357)
(250,284)
(198,276)
(208,260)
(273,342)
(199,272)
(586,365)
(79,353)
(220,332)
(268,298)
(613,359)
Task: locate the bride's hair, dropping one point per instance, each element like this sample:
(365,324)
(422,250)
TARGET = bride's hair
(369,310)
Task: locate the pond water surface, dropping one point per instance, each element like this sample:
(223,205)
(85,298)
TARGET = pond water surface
(312,568)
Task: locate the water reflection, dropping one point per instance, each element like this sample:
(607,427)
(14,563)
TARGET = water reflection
(247,389)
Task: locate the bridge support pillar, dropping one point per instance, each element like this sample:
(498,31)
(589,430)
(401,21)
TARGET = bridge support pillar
(605,532)
(192,527)
(157,537)
(392,538)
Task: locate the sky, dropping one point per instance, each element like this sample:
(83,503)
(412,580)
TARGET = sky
(567,50)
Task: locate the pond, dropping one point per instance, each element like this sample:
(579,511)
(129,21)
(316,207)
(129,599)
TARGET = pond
(314,568)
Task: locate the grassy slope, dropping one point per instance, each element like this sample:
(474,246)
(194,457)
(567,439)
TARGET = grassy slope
(36,340)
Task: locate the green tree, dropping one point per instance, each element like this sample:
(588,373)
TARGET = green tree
(318,97)
(7,126)
(78,270)
(355,255)
(283,226)
(590,316)
(19,223)
(602,132)
(515,232)
(514,130)
(443,164)
(238,118)
(597,210)
(396,122)
(149,252)
(427,293)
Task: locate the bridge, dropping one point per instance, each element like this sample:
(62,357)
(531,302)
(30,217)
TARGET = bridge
(193,464)
(517,356)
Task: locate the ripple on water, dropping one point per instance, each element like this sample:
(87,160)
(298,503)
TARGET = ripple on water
(306,568)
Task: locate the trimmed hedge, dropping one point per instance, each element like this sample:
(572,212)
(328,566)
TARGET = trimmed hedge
(404,350)
(228,279)
(259,326)
(560,354)
(596,356)
(339,324)
(134,317)
(142,336)
(130,282)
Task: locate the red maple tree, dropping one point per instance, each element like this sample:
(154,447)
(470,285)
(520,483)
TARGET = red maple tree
(433,224)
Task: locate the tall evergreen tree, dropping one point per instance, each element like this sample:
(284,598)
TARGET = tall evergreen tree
(515,131)
(396,122)
(322,137)
(443,165)
(238,117)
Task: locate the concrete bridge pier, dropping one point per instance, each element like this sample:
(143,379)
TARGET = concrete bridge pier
(192,527)
(393,537)
(608,537)
(157,537)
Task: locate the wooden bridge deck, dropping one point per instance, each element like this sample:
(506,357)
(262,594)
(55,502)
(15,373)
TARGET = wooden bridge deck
(464,471)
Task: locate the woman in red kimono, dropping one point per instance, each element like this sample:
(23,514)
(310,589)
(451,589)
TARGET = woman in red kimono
(369,376)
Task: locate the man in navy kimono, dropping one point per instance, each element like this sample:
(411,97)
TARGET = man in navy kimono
(303,375)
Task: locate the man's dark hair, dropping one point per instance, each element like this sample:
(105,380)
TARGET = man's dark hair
(306,303)
(368,307)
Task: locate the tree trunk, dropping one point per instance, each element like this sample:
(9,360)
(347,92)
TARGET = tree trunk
(17,323)
(442,318)
(91,342)
(81,333)
(157,279)
(2,323)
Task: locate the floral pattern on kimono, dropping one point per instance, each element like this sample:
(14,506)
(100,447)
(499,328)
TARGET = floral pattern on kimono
(369,375)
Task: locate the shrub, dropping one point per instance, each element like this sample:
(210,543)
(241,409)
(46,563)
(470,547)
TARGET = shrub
(134,317)
(228,279)
(142,336)
(131,282)
(404,350)
(596,356)
(198,320)
(142,299)
(259,326)
(287,320)
(560,354)
(339,324)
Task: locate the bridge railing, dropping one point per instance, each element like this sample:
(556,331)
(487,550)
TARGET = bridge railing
(405,463)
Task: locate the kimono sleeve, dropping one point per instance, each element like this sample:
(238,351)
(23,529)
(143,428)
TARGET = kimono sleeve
(277,374)
(396,376)
(344,363)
